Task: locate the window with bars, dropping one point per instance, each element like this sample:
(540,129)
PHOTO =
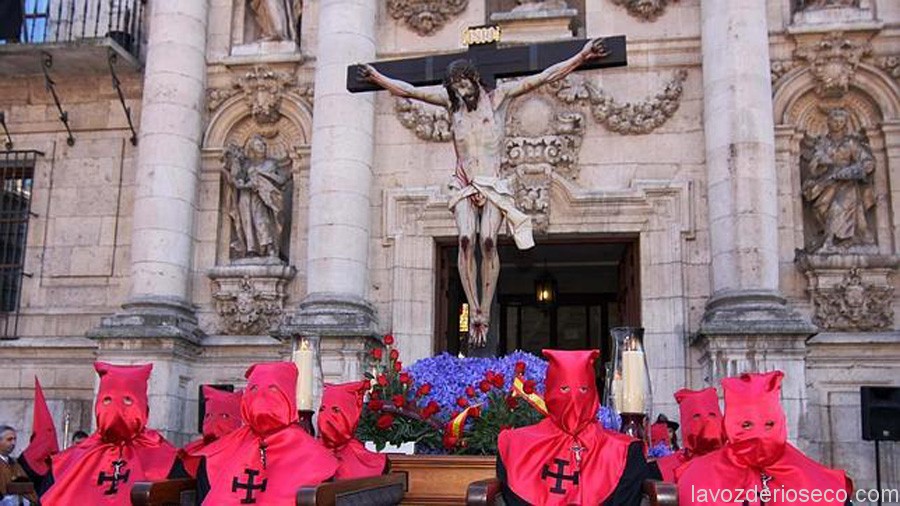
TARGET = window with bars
(16,182)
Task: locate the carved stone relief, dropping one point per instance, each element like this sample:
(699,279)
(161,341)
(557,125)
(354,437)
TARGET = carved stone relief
(426,16)
(263,90)
(851,292)
(890,64)
(833,61)
(645,10)
(825,4)
(250,299)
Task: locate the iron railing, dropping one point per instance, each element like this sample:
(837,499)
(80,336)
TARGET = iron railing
(62,21)
(16,184)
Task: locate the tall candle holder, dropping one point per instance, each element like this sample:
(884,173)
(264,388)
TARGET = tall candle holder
(628,390)
(302,356)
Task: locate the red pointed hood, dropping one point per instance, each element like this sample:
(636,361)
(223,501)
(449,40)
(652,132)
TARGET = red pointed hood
(338,419)
(755,423)
(43,442)
(571,389)
(701,420)
(269,401)
(122,408)
(222,414)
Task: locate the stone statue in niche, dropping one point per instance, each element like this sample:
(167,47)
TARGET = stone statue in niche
(255,200)
(276,19)
(837,169)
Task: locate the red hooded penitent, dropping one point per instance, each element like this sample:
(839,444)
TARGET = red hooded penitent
(701,429)
(270,457)
(338,419)
(567,458)
(222,415)
(757,456)
(102,469)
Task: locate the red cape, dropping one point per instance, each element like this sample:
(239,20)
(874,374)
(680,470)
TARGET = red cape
(222,416)
(541,460)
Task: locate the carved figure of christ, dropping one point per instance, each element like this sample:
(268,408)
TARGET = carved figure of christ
(483,199)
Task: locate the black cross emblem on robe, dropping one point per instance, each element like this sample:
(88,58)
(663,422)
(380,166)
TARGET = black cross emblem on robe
(491,61)
(115,478)
(559,476)
(250,487)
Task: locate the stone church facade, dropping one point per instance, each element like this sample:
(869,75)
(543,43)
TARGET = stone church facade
(749,154)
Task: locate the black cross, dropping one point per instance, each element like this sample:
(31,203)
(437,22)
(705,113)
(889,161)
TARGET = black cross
(116,477)
(492,62)
(249,486)
(559,475)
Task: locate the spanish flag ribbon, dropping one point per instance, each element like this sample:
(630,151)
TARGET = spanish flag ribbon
(518,389)
(456,425)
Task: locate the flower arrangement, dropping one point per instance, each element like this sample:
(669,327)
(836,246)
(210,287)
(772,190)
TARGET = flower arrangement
(447,404)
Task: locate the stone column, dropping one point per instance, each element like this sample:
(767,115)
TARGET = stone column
(748,325)
(158,315)
(335,312)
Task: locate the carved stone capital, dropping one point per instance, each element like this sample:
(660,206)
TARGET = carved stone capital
(645,10)
(851,292)
(250,298)
(426,16)
(833,61)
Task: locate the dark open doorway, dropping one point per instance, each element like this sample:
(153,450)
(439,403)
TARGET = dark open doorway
(597,288)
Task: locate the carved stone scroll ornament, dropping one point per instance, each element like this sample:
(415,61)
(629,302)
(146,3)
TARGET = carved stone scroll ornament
(426,16)
(250,299)
(854,305)
(833,61)
(645,10)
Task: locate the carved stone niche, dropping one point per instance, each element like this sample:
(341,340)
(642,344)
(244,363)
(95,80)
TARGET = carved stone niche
(250,298)
(542,139)
(851,293)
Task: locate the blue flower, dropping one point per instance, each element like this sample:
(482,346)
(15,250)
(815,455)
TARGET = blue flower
(659,450)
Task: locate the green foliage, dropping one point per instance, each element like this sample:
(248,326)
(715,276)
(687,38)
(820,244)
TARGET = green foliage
(501,411)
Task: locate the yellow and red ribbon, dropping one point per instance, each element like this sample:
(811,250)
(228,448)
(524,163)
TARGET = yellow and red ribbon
(518,390)
(459,421)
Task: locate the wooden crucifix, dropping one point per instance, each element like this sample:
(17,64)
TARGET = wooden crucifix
(477,107)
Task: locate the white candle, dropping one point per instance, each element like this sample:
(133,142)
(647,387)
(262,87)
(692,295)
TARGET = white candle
(633,381)
(618,400)
(303,359)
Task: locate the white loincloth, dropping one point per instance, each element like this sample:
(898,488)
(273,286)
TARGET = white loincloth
(498,193)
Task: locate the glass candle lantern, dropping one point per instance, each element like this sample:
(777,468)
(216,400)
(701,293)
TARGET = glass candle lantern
(628,387)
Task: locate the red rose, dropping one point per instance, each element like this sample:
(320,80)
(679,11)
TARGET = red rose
(528,388)
(376,405)
(431,409)
(512,402)
(389,339)
(394,354)
(377,353)
(462,402)
(497,380)
(398,400)
(398,366)
(404,377)
(489,375)
(382,380)
(424,390)
(520,367)
(485,386)
(470,391)
(375,394)
(505,427)
(385,421)
(475,412)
